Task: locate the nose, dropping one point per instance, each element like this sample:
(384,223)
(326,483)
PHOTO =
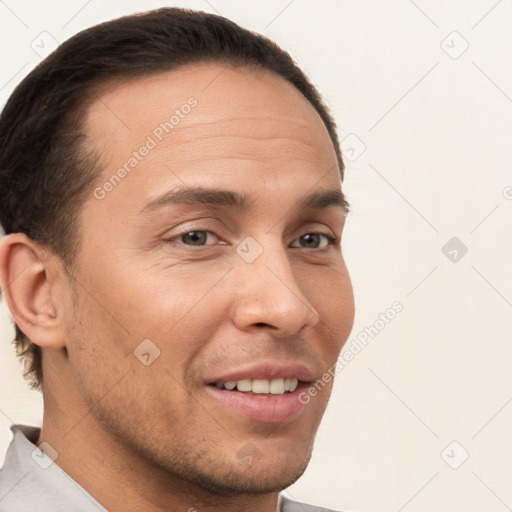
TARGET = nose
(268,295)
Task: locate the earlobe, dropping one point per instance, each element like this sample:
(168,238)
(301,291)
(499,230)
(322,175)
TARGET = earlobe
(27,290)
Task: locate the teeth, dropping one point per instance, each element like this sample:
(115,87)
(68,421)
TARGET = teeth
(277,386)
(244,385)
(261,386)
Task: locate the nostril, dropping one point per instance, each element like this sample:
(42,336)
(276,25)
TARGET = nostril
(262,324)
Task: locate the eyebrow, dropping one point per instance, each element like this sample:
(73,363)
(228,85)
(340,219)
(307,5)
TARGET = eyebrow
(236,201)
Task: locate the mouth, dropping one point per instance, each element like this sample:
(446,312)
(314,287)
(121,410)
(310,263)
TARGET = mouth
(259,386)
(264,393)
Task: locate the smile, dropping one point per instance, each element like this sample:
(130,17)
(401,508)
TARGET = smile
(260,386)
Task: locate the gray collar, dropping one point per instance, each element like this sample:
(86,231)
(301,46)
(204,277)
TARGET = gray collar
(30,480)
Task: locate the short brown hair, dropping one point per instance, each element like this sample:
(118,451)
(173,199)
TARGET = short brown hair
(46,168)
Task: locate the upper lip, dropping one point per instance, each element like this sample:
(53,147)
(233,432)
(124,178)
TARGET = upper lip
(268,370)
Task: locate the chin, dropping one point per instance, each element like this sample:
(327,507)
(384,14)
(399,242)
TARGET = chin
(264,480)
(263,475)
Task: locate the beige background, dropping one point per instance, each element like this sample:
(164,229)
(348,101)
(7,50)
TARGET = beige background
(427,127)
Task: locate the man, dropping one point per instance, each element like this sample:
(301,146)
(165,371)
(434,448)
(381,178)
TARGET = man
(172,261)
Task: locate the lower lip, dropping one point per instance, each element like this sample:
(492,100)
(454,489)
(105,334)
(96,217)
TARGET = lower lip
(262,408)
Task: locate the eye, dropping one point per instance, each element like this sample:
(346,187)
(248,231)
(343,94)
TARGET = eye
(199,238)
(314,240)
(194,237)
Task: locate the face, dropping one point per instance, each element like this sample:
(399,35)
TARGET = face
(210,285)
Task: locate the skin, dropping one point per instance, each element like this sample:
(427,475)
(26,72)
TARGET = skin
(139,437)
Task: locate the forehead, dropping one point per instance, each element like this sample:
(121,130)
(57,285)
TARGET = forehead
(218,87)
(212,122)
(239,100)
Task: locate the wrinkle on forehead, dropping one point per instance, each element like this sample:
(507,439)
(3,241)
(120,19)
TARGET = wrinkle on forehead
(234,91)
(242,114)
(255,138)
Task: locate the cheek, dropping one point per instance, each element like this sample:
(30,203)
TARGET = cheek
(334,303)
(333,298)
(113,381)
(176,311)
(342,307)
(335,306)
(155,300)
(98,347)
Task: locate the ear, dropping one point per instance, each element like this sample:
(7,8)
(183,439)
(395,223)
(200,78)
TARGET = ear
(27,288)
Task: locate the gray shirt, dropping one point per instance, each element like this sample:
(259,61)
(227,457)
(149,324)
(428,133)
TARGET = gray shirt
(31,482)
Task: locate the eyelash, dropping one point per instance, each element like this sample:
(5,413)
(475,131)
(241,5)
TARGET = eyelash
(330,240)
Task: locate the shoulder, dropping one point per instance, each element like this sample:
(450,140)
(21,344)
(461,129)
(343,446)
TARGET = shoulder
(287,505)
(34,482)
